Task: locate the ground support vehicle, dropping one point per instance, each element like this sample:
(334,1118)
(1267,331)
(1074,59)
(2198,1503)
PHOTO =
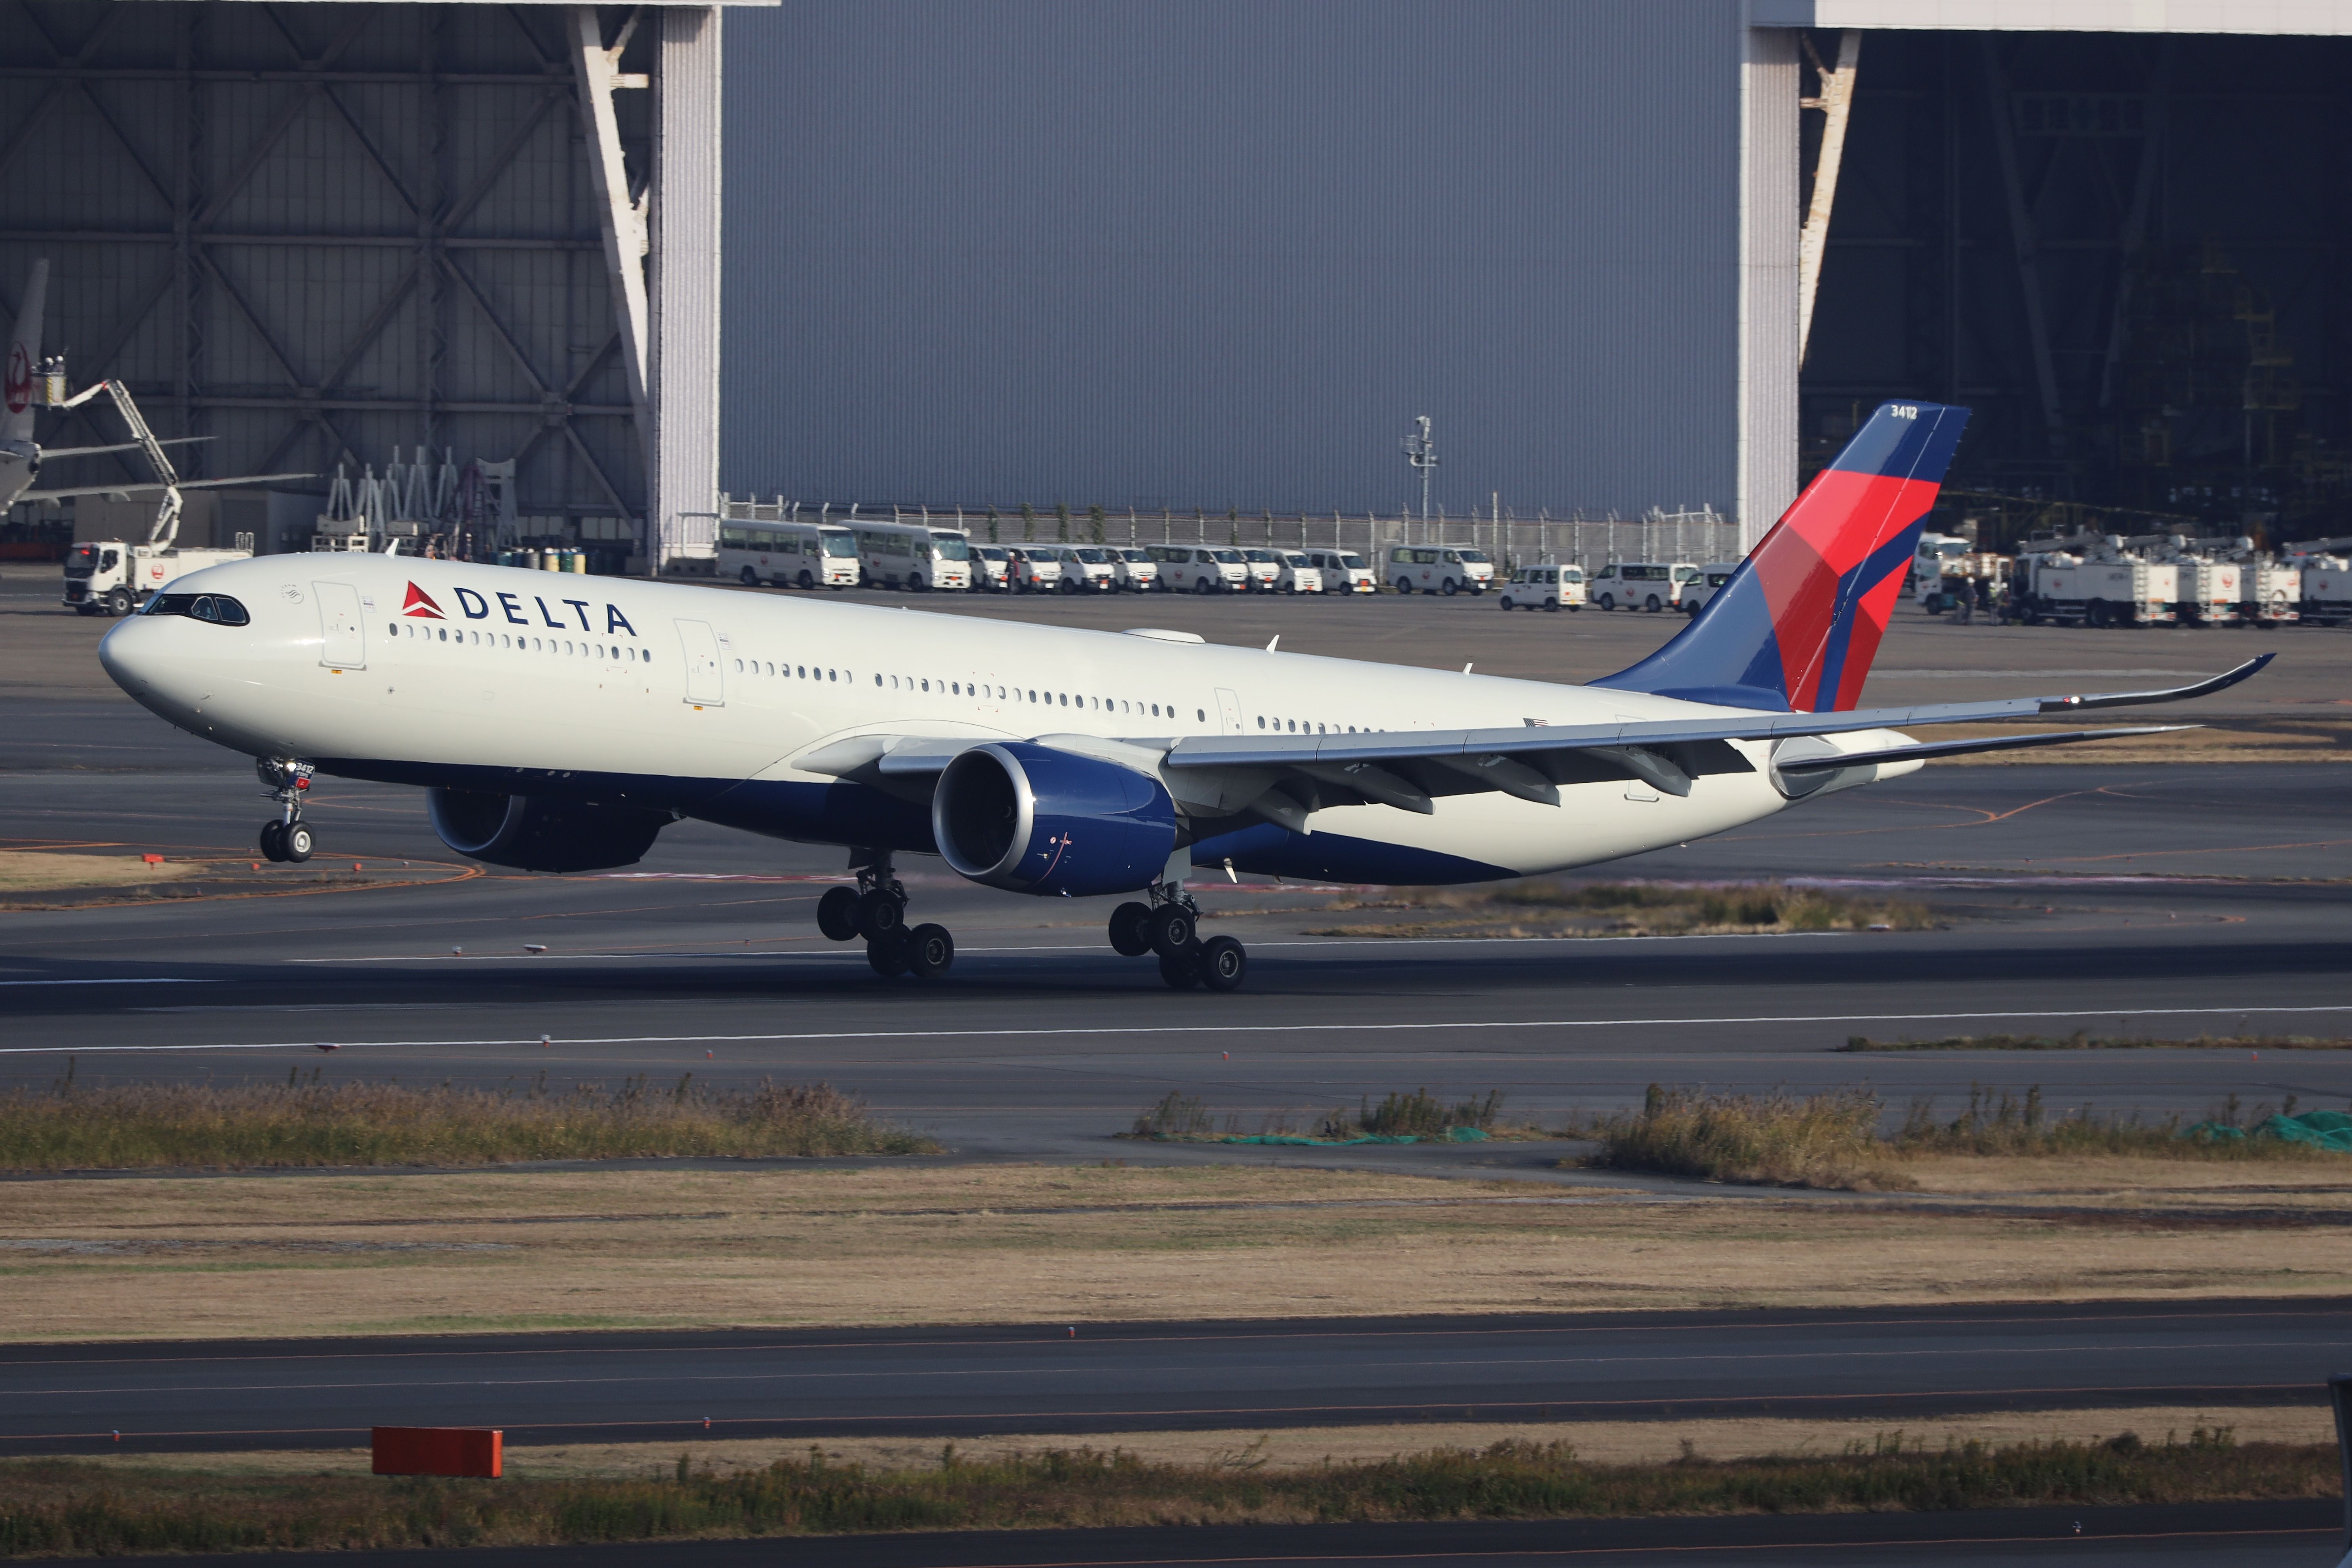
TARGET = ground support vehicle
(2060,585)
(1265,569)
(1439,568)
(1211,569)
(1035,568)
(991,568)
(1297,574)
(2209,591)
(1547,587)
(2273,592)
(1649,585)
(1710,580)
(1344,571)
(787,554)
(916,557)
(109,577)
(2327,587)
(1135,570)
(1929,561)
(1088,569)
(1956,574)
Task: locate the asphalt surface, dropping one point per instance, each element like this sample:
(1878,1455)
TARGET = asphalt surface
(2257,1535)
(929,1383)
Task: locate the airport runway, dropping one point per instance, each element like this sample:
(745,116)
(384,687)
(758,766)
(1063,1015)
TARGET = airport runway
(1898,1365)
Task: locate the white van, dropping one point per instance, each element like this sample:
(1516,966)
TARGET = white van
(991,568)
(1344,571)
(1650,585)
(1552,586)
(1298,575)
(913,556)
(1265,569)
(1202,569)
(787,554)
(1710,580)
(1136,570)
(1439,568)
(1085,567)
(1035,568)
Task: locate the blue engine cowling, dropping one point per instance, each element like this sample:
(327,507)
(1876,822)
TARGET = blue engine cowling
(1033,820)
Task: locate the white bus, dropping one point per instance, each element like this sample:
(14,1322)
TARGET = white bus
(913,556)
(787,554)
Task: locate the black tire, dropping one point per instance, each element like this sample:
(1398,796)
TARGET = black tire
(915,583)
(1170,930)
(1128,935)
(808,581)
(1608,601)
(930,951)
(273,846)
(120,603)
(1446,588)
(836,914)
(879,915)
(1651,605)
(86,608)
(2095,614)
(296,840)
(751,578)
(1182,972)
(1202,585)
(1404,585)
(1223,964)
(1551,606)
(888,955)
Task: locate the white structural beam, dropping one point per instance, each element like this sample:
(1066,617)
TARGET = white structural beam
(1836,104)
(2286,18)
(596,73)
(1767,467)
(684,482)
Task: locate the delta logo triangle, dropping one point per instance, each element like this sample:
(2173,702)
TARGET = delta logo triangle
(420,604)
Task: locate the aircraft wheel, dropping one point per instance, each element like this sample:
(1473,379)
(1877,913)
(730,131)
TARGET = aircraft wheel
(1182,972)
(930,950)
(879,915)
(295,840)
(1223,964)
(836,914)
(1130,933)
(1170,930)
(273,840)
(888,955)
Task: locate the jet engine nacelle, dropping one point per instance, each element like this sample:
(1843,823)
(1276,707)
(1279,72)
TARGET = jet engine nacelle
(533,834)
(1031,819)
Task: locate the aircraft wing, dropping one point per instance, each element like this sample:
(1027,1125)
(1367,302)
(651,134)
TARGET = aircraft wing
(156,486)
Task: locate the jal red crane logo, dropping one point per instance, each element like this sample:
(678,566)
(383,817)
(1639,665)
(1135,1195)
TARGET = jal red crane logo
(20,378)
(420,605)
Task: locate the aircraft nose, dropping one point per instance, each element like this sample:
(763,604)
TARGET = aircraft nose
(128,653)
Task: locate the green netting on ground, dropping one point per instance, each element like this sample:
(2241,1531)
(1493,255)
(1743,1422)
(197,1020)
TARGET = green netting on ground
(2318,1129)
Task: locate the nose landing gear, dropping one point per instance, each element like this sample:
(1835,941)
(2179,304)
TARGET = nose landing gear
(289,838)
(876,909)
(1168,925)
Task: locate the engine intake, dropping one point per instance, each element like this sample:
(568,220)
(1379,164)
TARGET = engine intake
(530,833)
(1031,819)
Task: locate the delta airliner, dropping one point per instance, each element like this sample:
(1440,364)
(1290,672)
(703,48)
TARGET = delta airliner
(559,723)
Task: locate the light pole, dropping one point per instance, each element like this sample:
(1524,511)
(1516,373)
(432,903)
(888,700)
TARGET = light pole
(1421,453)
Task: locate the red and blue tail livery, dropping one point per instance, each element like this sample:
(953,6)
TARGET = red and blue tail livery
(1797,626)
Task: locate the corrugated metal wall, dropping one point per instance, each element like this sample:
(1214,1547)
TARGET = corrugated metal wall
(1221,252)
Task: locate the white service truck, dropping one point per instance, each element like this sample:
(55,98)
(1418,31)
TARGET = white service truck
(109,577)
(2326,580)
(2094,589)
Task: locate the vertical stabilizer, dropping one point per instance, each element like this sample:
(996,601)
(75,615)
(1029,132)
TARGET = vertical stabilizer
(25,358)
(1798,625)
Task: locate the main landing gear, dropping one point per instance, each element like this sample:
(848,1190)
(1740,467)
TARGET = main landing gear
(289,838)
(1168,925)
(876,909)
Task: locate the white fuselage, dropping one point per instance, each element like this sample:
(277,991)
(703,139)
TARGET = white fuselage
(700,699)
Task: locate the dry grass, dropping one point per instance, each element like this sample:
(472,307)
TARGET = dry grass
(36,871)
(147,1126)
(1553,907)
(1417,1115)
(62,1505)
(228,1256)
(2082,1039)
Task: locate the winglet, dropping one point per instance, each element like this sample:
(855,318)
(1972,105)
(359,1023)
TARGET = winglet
(2220,683)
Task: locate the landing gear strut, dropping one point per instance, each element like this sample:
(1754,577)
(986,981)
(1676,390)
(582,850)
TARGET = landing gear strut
(289,838)
(1168,925)
(876,909)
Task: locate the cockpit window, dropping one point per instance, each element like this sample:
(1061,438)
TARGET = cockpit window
(217,608)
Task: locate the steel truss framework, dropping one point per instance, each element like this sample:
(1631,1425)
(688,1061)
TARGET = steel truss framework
(320,233)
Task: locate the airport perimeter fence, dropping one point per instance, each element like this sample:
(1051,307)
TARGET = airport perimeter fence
(1697,536)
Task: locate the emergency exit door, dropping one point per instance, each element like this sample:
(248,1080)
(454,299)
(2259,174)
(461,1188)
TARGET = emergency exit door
(705,687)
(343,635)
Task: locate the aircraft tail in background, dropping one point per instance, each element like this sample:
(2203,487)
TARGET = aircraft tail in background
(1796,628)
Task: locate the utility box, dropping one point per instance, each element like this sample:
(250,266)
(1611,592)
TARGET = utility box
(439,1451)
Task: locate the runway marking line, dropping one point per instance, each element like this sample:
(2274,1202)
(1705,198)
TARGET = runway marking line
(1255,1029)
